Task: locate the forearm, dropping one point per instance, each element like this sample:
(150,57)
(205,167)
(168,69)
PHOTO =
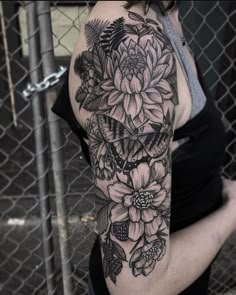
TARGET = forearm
(193,248)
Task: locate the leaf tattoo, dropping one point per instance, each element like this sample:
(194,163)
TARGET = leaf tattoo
(93,31)
(136,17)
(113,35)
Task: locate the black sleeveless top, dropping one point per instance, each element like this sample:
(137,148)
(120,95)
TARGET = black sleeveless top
(196,168)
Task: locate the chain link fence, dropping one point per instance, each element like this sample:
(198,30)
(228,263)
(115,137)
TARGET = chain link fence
(46,195)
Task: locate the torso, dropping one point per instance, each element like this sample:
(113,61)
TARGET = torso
(183,109)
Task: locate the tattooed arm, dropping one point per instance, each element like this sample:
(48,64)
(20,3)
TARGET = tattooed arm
(128,88)
(128,93)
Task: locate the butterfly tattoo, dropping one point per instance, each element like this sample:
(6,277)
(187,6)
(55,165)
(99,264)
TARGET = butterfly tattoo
(131,145)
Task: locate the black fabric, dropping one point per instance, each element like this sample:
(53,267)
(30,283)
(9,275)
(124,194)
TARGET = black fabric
(62,107)
(196,176)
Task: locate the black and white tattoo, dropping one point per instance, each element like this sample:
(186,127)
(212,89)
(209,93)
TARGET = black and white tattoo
(128,84)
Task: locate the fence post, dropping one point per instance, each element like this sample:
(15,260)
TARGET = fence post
(49,67)
(41,147)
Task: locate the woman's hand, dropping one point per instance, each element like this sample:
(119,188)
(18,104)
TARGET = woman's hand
(229,190)
(229,195)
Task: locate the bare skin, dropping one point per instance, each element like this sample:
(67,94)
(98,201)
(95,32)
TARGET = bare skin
(130,95)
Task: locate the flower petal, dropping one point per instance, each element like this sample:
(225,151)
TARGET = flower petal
(117,191)
(109,68)
(137,272)
(151,51)
(165,57)
(115,97)
(166,202)
(164,86)
(117,79)
(117,112)
(108,85)
(135,84)
(132,44)
(148,262)
(128,200)
(158,74)
(146,99)
(148,215)
(140,263)
(158,170)
(170,64)
(146,78)
(124,55)
(139,48)
(135,256)
(152,227)
(157,47)
(122,47)
(166,183)
(136,230)
(102,149)
(127,104)
(146,271)
(138,104)
(141,118)
(155,113)
(159,197)
(154,95)
(153,187)
(140,176)
(134,214)
(119,213)
(132,104)
(125,87)
(149,63)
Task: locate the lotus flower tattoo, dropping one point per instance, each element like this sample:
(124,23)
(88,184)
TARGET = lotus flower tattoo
(136,81)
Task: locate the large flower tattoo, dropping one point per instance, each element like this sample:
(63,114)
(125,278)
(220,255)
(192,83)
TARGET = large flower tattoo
(139,202)
(136,80)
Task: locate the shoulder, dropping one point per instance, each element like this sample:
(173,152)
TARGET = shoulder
(125,52)
(126,95)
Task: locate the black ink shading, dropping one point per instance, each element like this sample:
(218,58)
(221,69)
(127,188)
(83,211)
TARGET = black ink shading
(128,83)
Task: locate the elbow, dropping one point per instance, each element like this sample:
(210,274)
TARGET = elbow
(148,282)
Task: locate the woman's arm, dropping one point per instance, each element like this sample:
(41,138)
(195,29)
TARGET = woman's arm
(191,251)
(128,95)
(193,248)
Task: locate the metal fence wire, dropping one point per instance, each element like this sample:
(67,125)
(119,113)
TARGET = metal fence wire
(46,197)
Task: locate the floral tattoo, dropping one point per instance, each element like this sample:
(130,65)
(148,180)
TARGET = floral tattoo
(128,77)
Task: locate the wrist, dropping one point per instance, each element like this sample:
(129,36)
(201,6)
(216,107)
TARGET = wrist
(229,211)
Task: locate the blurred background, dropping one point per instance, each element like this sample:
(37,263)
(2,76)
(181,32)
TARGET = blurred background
(47,223)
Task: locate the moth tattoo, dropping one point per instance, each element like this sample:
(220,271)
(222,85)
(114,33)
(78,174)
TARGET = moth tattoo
(128,84)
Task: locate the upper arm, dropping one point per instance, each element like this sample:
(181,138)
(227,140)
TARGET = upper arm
(128,86)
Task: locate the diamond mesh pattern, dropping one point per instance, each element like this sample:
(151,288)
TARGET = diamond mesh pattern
(209,28)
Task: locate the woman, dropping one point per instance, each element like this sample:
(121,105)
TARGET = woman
(156,147)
